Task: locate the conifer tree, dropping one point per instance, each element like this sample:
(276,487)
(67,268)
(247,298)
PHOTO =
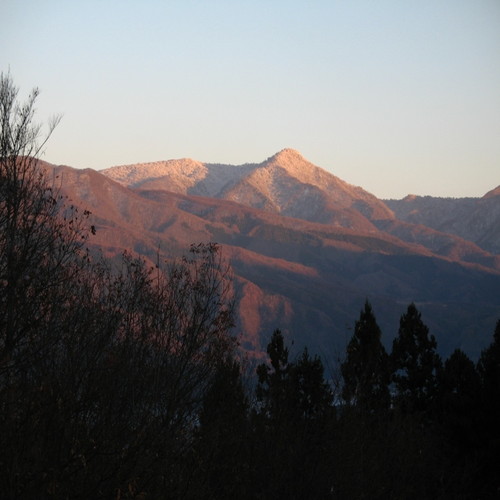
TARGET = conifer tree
(415,364)
(312,392)
(489,371)
(365,370)
(460,398)
(291,425)
(273,380)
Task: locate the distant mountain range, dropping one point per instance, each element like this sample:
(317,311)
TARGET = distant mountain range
(307,248)
(474,219)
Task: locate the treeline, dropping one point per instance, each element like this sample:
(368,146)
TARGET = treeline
(394,425)
(122,380)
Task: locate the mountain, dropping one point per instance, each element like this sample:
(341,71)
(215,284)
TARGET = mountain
(287,184)
(306,248)
(474,219)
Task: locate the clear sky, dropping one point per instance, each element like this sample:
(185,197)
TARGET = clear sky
(395,96)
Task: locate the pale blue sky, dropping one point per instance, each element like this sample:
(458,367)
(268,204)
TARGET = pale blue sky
(395,96)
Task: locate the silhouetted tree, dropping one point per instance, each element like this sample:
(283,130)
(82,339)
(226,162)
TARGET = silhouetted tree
(292,424)
(415,364)
(295,390)
(381,457)
(41,257)
(459,424)
(460,392)
(365,371)
(489,371)
(39,237)
(311,391)
(273,382)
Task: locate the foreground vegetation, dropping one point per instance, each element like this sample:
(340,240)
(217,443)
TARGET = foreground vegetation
(123,380)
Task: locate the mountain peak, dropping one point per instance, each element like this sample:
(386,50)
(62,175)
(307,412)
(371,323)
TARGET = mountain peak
(294,163)
(288,154)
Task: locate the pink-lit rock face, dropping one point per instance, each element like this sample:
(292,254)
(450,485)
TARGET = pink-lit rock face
(285,183)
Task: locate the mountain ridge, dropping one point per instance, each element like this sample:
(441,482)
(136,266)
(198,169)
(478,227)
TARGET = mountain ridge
(474,219)
(302,273)
(288,184)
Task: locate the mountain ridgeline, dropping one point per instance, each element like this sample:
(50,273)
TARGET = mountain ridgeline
(306,248)
(474,219)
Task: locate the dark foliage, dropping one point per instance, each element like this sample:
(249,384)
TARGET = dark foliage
(415,364)
(366,368)
(489,371)
(292,426)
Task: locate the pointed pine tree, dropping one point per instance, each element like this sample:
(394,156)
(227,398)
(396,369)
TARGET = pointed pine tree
(291,425)
(415,364)
(312,393)
(273,381)
(365,370)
